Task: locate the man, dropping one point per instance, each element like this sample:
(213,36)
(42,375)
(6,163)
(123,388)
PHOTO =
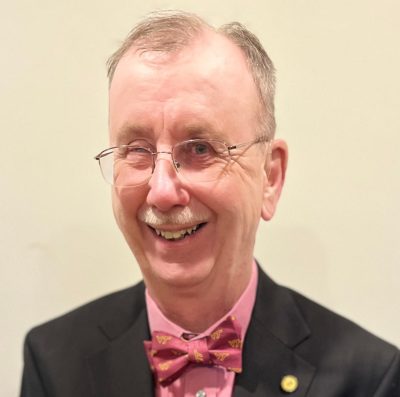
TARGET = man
(194,166)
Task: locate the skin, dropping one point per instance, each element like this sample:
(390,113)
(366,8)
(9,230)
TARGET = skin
(204,90)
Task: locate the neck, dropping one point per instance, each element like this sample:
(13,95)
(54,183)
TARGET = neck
(197,308)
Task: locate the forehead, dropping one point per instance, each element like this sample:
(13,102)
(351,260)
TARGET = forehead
(207,83)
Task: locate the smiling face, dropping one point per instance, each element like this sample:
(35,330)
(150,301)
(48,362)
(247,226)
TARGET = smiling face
(185,234)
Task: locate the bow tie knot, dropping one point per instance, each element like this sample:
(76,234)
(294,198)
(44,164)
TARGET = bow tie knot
(169,356)
(197,351)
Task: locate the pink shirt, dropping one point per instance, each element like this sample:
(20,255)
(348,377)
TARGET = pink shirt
(203,381)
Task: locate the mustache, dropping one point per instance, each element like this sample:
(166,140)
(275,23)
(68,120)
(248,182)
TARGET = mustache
(177,216)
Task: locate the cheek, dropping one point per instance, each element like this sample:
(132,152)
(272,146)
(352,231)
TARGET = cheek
(245,202)
(236,201)
(125,205)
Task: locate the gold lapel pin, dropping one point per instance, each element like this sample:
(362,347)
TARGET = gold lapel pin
(289,383)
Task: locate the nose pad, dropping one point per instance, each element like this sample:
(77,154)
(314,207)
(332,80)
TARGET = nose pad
(163,155)
(163,160)
(165,174)
(176,165)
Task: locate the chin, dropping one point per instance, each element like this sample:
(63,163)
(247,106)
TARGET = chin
(177,274)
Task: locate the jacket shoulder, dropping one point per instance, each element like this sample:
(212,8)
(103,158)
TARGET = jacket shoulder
(332,327)
(346,359)
(358,361)
(56,353)
(82,326)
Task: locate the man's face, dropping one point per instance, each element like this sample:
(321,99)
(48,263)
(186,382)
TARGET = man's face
(204,91)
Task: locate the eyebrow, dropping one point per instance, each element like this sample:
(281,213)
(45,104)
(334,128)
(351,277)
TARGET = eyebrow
(203,130)
(129,132)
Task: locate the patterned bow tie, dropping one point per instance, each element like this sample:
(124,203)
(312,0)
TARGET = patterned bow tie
(169,356)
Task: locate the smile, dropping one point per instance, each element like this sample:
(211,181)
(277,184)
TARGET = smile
(177,234)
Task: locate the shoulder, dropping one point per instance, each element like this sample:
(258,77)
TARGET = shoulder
(325,323)
(319,323)
(57,353)
(83,325)
(346,352)
(328,327)
(345,356)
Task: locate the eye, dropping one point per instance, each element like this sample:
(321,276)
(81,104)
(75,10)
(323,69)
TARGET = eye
(132,153)
(197,154)
(137,150)
(201,148)
(139,146)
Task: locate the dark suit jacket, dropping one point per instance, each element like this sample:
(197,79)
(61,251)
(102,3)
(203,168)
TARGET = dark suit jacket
(97,351)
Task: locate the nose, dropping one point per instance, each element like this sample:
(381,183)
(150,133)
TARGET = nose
(166,189)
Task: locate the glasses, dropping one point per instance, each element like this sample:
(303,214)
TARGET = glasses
(196,160)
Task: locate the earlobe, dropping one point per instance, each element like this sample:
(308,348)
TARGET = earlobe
(275,171)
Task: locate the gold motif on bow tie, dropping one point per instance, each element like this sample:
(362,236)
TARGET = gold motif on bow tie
(236,370)
(221,356)
(163,339)
(198,356)
(235,343)
(216,334)
(165,366)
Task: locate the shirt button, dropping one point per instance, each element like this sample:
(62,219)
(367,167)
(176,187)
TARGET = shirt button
(201,393)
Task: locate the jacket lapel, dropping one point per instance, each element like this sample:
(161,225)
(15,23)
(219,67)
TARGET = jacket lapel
(276,328)
(121,368)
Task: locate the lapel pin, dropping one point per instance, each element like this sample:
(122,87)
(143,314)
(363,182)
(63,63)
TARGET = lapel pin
(289,383)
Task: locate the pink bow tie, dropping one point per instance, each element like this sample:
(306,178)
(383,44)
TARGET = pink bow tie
(169,356)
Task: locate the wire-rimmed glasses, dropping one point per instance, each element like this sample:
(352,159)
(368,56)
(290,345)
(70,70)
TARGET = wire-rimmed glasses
(196,160)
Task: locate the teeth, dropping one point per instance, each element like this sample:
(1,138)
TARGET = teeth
(176,235)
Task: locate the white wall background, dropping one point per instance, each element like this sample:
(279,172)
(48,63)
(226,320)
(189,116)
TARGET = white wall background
(336,234)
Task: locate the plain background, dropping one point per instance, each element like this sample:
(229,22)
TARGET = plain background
(335,236)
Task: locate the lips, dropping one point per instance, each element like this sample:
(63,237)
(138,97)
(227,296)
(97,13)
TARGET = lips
(176,234)
(176,224)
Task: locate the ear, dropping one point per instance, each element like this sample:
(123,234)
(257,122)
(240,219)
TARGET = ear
(275,170)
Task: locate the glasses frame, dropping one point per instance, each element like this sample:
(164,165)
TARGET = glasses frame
(229,148)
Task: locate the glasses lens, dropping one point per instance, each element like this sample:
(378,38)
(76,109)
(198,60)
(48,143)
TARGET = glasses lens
(201,160)
(127,165)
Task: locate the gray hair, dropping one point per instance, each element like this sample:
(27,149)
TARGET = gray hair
(170,31)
